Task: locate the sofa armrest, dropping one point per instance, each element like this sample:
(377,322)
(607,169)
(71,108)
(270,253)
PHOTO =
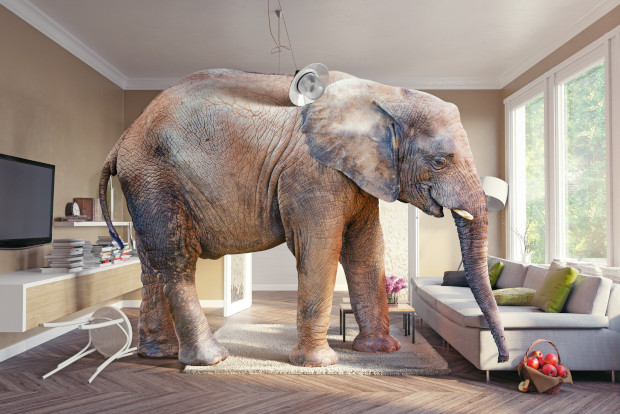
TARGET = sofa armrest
(613,308)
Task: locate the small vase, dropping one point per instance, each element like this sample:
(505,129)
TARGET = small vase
(526,258)
(392,298)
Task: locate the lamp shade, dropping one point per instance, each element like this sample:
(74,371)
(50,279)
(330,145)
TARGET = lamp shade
(308,84)
(496,191)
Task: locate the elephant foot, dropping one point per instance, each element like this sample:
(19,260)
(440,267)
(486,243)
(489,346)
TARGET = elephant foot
(379,343)
(158,347)
(209,353)
(321,356)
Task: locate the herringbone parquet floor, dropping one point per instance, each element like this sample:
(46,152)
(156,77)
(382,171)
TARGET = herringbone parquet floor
(139,385)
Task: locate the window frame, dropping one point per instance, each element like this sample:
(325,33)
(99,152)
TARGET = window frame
(607,49)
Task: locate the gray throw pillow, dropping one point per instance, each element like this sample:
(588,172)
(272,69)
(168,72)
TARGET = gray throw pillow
(455,278)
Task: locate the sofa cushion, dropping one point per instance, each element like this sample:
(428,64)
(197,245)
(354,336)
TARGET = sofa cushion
(514,296)
(455,278)
(552,294)
(535,276)
(431,293)
(590,294)
(466,312)
(513,274)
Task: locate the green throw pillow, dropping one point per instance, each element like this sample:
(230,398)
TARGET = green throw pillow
(494,272)
(555,288)
(514,296)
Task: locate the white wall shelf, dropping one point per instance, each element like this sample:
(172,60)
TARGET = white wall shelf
(90,223)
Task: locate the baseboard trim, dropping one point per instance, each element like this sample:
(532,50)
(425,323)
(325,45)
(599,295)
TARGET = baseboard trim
(341,287)
(211,303)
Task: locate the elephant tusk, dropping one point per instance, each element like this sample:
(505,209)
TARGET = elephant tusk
(465,214)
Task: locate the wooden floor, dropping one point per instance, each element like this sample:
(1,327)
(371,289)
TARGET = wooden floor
(140,385)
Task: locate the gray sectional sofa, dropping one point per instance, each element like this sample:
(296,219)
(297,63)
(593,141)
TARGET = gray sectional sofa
(587,332)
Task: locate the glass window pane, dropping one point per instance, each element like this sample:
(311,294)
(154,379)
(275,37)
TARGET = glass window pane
(529,184)
(585,165)
(535,178)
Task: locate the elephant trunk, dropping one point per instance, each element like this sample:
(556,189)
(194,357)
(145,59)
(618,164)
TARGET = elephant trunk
(474,247)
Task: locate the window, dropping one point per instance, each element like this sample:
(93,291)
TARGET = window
(560,160)
(584,173)
(530,177)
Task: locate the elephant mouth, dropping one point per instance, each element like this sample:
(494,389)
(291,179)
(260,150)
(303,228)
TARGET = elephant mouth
(433,207)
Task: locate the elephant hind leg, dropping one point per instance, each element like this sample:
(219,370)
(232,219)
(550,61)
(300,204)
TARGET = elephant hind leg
(156,328)
(171,251)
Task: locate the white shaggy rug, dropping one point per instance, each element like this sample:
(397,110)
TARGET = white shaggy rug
(264,349)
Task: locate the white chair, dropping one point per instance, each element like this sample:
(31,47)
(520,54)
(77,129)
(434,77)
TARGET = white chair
(109,331)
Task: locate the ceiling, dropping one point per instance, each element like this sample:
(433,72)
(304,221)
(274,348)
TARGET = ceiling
(423,44)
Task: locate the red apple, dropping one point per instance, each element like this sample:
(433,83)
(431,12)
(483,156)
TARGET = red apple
(524,386)
(550,359)
(533,362)
(550,370)
(536,353)
(561,370)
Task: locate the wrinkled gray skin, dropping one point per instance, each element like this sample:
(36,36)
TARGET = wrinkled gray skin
(222,163)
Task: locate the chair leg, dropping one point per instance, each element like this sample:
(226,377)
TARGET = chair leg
(613,377)
(69,361)
(488,377)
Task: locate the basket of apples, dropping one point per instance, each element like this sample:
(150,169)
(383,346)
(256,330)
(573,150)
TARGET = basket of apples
(544,374)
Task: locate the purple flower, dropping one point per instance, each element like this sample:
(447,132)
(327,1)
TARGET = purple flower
(393,284)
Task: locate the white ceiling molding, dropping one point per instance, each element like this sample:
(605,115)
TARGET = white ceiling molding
(50,28)
(440,83)
(546,48)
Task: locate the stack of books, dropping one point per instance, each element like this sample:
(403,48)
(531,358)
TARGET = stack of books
(108,248)
(67,256)
(103,254)
(90,260)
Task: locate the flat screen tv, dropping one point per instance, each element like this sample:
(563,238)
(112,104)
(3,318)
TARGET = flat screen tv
(26,202)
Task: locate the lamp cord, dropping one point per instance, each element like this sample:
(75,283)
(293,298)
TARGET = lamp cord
(279,46)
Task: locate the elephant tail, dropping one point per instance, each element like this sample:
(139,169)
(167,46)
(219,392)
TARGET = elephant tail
(108,170)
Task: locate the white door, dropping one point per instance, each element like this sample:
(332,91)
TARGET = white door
(237,283)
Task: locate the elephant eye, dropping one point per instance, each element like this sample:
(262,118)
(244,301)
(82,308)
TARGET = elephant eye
(439,162)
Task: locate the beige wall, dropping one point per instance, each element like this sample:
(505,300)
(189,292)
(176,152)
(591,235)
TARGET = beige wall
(54,109)
(602,26)
(482,116)
(209,273)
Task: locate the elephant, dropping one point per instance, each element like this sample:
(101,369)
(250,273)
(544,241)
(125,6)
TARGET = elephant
(222,163)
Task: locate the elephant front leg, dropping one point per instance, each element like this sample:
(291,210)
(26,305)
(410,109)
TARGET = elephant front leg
(317,264)
(362,260)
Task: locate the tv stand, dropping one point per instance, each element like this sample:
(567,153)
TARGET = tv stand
(30,297)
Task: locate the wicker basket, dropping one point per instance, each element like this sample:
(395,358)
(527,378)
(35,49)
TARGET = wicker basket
(539,381)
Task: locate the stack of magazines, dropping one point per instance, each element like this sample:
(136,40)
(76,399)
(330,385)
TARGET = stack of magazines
(67,256)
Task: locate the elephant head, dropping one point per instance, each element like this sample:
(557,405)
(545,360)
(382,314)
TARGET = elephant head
(396,143)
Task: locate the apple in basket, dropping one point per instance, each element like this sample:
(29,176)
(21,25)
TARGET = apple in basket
(537,354)
(550,359)
(561,370)
(550,370)
(533,362)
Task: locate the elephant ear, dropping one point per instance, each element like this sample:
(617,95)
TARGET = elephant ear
(348,129)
